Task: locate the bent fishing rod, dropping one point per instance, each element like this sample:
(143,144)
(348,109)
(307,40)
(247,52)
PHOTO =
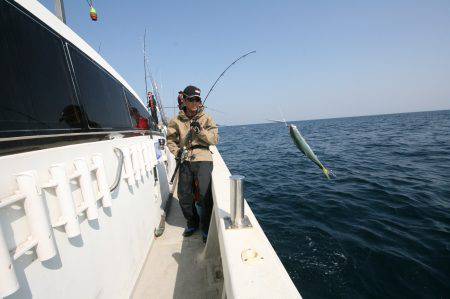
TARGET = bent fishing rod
(195,118)
(159,231)
(223,73)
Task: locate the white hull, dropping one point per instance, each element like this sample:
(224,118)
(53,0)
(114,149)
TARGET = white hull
(105,259)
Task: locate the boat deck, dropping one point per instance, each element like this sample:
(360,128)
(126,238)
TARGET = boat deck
(175,267)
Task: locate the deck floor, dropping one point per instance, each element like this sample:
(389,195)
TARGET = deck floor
(174,267)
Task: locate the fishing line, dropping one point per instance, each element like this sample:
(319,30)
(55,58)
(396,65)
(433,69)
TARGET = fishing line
(282,116)
(215,110)
(92,12)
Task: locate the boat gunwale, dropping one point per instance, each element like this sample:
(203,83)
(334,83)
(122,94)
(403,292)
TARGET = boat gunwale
(15,145)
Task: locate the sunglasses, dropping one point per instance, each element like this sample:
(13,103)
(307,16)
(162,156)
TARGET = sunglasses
(194,99)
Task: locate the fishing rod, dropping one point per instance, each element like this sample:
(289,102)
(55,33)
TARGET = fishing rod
(195,118)
(145,62)
(221,75)
(149,101)
(148,74)
(159,101)
(218,78)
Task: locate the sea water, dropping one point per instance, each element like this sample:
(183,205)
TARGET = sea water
(381,228)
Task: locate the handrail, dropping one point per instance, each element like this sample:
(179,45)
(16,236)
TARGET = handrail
(116,182)
(106,132)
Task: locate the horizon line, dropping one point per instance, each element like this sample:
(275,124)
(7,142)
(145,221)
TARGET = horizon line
(338,117)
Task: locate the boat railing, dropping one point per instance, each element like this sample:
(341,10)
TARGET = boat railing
(251,267)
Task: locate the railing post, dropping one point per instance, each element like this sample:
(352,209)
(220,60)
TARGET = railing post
(237,200)
(237,214)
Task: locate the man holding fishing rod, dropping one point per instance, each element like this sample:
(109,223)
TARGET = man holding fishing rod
(189,136)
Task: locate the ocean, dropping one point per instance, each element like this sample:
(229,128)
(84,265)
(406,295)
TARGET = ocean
(381,228)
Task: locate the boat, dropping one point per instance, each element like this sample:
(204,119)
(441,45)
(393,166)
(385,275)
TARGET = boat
(84,183)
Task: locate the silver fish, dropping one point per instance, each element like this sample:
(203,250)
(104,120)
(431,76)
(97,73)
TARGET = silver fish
(303,146)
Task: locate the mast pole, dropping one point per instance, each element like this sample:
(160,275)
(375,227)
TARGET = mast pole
(59,9)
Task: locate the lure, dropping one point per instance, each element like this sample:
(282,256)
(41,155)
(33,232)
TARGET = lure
(93,14)
(304,147)
(92,11)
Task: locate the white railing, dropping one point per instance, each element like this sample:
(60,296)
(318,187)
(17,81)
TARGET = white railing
(251,267)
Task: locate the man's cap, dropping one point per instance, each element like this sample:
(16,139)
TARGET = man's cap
(191,91)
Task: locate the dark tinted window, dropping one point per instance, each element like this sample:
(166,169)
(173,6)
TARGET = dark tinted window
(100,95)
(36,91)
(140,117)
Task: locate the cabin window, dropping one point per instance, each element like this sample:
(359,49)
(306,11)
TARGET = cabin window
(100,95)
(36,91)
(140,117)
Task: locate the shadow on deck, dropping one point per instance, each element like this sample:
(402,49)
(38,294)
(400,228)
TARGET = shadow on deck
(175,267)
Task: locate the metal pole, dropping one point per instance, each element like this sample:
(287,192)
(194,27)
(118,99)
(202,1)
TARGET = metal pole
(237,200)
(59,9)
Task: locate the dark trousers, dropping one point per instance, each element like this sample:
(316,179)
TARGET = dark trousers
(201,171)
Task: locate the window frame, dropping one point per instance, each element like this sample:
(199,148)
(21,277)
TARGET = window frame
(33,134)
(78,93)
(149,118)
(61,40)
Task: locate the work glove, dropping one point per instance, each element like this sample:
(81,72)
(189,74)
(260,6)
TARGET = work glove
(195,126)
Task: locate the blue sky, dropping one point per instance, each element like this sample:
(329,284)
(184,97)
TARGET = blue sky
(315,59)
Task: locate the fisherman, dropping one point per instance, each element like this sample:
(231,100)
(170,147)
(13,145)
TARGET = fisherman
(152,107)
(180,99)
(139,122)
(192,132)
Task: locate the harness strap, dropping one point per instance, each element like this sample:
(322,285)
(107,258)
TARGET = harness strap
(199,146)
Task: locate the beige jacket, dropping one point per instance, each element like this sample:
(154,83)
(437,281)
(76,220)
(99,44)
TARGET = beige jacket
(177,136)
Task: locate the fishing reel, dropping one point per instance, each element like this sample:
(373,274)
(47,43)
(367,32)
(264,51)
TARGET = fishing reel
(195,126)
(162,143)
(182,155)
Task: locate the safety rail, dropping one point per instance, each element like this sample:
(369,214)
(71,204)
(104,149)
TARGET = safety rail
(251,267)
